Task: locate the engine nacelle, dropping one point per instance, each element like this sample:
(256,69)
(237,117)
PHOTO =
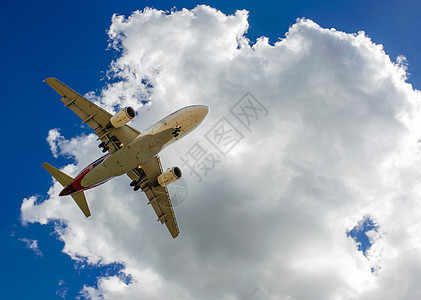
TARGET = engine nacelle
(169,176)
(123,117)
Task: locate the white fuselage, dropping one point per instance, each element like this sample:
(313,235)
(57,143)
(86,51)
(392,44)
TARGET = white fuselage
(147,145)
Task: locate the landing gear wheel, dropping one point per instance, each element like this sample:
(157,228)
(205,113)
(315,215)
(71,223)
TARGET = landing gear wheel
(136,188)
(105,149)
(176,131)
(101,145)
(133,183)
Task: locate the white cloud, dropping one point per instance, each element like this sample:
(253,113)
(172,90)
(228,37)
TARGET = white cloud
(33,245)
(62,289)
(340,142)
(54,139)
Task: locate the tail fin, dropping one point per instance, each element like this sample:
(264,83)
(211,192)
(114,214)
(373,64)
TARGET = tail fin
(64,180)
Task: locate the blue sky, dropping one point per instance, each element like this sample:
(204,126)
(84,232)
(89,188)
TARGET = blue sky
(68,41)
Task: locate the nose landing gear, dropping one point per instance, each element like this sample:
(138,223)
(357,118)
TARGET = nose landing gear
(104,146)
(176,131)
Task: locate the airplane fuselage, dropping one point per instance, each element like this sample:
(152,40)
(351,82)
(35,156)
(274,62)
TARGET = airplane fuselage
(146,146)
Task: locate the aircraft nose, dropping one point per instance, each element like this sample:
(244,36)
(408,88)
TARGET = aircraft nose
(202,111)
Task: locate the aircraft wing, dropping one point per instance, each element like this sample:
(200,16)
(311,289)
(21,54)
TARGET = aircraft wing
(93,115)
(158,195)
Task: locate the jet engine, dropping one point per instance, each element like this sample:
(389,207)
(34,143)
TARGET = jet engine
(169,176)
(122,117)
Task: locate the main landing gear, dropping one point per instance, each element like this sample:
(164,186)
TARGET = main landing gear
(176,131)
(104,146)
(137,184)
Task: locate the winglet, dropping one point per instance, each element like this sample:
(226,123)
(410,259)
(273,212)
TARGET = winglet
(64,180)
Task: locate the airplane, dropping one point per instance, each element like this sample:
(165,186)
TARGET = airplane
(129,152)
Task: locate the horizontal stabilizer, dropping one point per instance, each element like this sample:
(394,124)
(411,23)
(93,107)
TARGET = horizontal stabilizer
(64,180)
(82,203)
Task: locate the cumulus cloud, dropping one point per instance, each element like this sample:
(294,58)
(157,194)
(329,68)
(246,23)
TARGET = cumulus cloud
(270,220)
(54,139)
